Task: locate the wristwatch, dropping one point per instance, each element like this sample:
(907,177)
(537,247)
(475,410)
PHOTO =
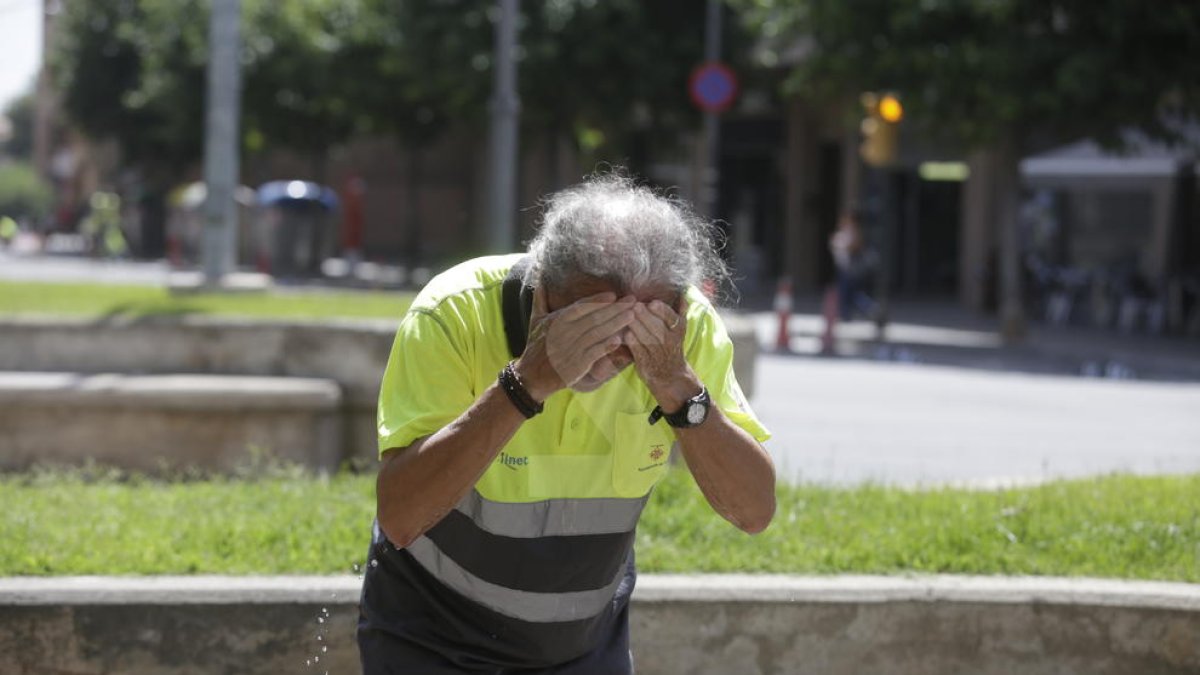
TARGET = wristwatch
(693,413)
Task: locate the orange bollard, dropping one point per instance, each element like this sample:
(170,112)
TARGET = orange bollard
(174,251)
(829,310)
(783,309)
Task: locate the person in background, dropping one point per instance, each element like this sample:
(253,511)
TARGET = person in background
(852,260)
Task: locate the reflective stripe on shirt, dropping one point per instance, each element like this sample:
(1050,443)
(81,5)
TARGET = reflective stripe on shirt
(524,605)
(552,517)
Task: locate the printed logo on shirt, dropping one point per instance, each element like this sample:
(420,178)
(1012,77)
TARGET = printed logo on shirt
(512,462)
(656,455)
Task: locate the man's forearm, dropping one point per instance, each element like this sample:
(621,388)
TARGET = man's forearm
(733,471)
(418,485)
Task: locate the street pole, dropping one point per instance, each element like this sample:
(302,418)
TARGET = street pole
(505,111)
(886,231)
(221,140)
(712,127)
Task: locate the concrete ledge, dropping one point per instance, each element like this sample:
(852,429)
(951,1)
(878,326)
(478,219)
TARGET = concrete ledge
(350,352)
(876,589)
(158,423)
(725,624)
(170,392)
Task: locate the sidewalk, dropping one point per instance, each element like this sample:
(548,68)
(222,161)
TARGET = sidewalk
(922,331)
(942,332)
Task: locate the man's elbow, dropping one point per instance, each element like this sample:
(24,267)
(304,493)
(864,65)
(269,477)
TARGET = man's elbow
(756,525)
(756,522)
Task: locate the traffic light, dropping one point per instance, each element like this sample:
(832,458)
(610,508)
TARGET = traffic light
(880,128)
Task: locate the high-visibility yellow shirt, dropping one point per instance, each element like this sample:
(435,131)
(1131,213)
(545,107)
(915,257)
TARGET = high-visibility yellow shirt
(451,345)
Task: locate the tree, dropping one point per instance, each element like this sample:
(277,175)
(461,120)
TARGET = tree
(1007,75)
(134,71)
(20,115)
(606,74)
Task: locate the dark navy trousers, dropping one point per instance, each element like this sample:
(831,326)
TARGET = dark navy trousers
(387,654)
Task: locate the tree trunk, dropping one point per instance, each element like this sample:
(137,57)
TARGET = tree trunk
(412,235)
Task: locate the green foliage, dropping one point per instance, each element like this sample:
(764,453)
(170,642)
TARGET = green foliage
(22,192)
(285,522)
(81,524)
(112,300)
(986,69)
(134,71)
(1114,526)
(20,114)
(316,72)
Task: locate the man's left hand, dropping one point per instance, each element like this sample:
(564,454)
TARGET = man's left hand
(655,338)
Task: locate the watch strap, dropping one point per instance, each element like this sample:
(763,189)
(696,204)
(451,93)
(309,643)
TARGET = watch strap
(679,419)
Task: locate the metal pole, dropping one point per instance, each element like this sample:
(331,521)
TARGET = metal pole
(886,231)
(505,109)
(712,128)
(221,140)
(43,102)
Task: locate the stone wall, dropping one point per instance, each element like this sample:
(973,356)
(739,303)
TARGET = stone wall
(719,625)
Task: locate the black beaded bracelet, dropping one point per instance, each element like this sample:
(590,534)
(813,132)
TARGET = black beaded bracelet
(512,386)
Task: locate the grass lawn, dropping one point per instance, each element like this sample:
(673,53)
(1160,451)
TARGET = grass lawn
(105,300)
(1116,526)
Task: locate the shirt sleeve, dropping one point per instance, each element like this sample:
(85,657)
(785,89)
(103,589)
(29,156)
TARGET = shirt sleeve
(710,353)
(427,383)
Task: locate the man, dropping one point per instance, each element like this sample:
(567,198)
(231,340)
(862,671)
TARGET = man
(507,504)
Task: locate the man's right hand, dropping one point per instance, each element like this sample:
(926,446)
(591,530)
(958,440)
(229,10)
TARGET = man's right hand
(563,345)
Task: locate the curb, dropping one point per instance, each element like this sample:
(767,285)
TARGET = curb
(679,625)
(651,588)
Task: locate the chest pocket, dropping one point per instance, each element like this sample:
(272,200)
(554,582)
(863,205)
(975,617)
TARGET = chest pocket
(640,454)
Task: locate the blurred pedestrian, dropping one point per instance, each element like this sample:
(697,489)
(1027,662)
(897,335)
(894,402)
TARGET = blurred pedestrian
(8,229)
(101,227)
(507,505)
(853,261)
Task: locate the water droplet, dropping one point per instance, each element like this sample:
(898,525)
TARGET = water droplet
(320,619)
(357,567)
(308,662)
(324,649)
(374,563)
(316,659)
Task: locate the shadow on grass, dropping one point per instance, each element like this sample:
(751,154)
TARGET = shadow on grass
(137,312)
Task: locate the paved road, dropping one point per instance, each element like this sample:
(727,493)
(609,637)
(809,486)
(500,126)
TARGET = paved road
(848,421)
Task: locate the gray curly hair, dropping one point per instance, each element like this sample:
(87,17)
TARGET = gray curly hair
(610,228)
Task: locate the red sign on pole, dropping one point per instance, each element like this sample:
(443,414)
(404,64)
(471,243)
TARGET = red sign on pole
(713,87)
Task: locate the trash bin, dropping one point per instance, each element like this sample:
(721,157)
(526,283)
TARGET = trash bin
(296,225)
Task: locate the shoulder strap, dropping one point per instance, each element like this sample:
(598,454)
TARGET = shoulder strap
(516,306)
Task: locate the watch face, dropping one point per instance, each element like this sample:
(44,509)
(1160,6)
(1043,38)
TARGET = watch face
(695,413)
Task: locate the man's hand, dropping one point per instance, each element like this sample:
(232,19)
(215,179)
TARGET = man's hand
(564,345)
(656,340)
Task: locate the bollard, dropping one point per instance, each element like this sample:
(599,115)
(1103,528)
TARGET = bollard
(783,309)
(829,310)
